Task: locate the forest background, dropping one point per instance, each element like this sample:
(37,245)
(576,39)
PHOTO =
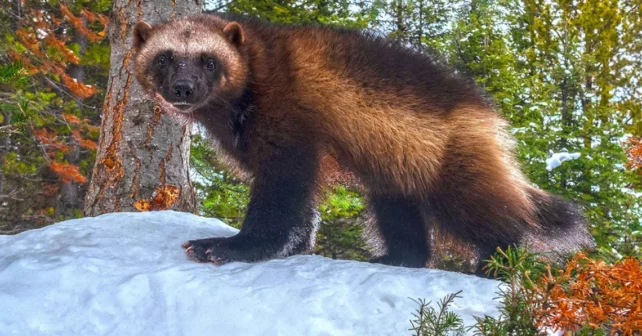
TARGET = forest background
(565,73)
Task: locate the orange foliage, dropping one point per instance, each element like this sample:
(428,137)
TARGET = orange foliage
(67,172)
(42,135)
(635,153)
(80,25)
(89,144)
(50,190)
(77,88)
(85,143)
(590,292)
(29,40)
(51,140)
(72,119)
(68,56)
(92,128)
(164,197)
(40,34)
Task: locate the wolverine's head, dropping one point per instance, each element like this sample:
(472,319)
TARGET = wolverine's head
(188,61)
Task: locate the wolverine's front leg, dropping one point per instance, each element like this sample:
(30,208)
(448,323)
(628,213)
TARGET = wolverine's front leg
(279,219)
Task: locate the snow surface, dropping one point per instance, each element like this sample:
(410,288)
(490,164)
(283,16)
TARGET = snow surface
(126,274)
(557,158)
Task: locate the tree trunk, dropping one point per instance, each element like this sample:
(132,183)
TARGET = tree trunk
(69,195)
(399,11)
(420,25)
(142,160)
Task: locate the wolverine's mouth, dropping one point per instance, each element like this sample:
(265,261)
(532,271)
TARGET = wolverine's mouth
(183,106)
(179,109)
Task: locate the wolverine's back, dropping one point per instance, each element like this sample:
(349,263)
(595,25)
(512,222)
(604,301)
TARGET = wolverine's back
(371,62)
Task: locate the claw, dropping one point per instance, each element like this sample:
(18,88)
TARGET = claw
(218,251)
(190,254)
(216,261)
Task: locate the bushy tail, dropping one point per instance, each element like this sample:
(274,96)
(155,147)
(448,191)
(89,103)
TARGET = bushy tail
(563,227)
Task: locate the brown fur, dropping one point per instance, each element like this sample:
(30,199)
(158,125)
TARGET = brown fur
(408,129)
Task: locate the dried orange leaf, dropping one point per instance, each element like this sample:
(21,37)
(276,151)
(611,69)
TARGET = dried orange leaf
(143,205)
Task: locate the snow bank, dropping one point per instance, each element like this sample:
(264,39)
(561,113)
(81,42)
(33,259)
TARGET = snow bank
(126,274)
(557,158)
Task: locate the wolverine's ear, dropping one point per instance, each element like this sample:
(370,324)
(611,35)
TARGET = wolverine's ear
(142,31)
(234,33)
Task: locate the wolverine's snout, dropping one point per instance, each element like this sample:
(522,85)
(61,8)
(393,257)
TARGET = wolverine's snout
(183,90)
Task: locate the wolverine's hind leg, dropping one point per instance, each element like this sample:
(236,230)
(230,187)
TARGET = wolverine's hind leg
(483,221)
(402,227)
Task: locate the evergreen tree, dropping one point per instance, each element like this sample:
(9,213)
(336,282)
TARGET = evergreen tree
(53,60)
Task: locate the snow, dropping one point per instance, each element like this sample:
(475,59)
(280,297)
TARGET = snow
(557,158)
(41,33)
(126,274)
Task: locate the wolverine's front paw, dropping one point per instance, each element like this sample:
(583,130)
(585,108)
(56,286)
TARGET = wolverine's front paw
(221,250)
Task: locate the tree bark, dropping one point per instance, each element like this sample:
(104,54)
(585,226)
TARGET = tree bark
(143,154)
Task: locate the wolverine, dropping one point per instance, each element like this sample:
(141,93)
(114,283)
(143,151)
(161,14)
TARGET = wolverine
(428,147)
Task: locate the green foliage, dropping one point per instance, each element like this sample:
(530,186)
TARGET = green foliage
(220,193)
(96,55)
(341,203)
(590,331)
(429,321)
(13,73)
(341,233)
(519,269)
(345,13)
(560,96)
(422,24)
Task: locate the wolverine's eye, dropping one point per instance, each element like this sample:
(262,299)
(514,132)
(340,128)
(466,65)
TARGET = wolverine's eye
(210,64)
(162,61)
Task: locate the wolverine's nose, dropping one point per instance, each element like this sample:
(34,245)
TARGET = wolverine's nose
(183,89)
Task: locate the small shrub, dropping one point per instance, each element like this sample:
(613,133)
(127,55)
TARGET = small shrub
(590,294)
(437,322)
(586,297)
(520,298)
